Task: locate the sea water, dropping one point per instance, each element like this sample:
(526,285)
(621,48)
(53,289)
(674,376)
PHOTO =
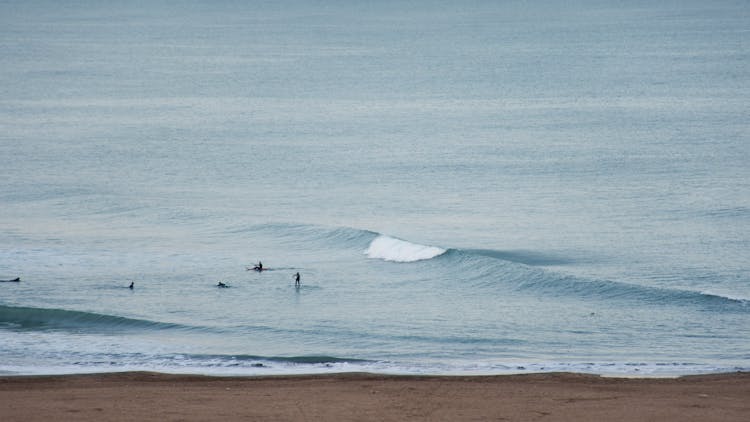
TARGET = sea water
(464,187)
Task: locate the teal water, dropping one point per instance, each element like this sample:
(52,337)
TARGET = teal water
(483,187)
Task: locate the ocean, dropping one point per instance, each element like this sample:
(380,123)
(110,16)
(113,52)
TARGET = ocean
(483,187)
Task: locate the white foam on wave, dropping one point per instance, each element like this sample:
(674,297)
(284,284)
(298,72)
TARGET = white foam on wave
(228,366)
(727,296)
(396,250)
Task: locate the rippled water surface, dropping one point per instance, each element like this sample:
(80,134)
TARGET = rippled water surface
(483,187)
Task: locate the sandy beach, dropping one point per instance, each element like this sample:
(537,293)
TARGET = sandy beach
(139,396)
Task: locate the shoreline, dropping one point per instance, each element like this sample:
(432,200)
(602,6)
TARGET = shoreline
(123,396)
(322,374)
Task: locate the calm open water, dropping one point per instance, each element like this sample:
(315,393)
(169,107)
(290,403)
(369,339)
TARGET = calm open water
(464,187)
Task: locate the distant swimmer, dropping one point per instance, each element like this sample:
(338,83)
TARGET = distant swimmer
(132,284)
(296,279)
(259,267)
(15,280)
(221,284)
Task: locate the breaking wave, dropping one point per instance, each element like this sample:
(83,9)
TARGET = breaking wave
(396,250)
(519,270)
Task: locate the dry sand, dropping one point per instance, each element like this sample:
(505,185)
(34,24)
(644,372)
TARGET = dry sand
(139,396)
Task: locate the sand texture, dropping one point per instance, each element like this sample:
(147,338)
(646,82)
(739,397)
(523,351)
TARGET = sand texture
(142,396)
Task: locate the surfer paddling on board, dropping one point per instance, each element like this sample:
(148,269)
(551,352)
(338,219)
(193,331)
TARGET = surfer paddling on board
(296,279)
(258,267)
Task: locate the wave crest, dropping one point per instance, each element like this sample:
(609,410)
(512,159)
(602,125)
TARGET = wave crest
(25,318)
(396,250)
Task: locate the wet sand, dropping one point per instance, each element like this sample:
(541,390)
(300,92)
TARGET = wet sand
(139,396)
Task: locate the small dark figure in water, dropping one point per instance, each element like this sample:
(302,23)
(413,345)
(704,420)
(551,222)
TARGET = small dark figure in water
(132,283)
(221,284)
(296,279)
(258,267)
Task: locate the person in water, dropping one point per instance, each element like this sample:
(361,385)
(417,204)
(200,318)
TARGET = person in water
(259,267)
(131,285)
(296,279)
(221,284)
(15,280)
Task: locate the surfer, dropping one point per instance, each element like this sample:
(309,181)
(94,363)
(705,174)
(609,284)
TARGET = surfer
(258,267)
(132,283)
(296,279)
(221,284)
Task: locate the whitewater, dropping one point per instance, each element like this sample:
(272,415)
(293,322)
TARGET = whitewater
(485,188)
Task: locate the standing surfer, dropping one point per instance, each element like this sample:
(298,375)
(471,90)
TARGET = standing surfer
(296,279)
